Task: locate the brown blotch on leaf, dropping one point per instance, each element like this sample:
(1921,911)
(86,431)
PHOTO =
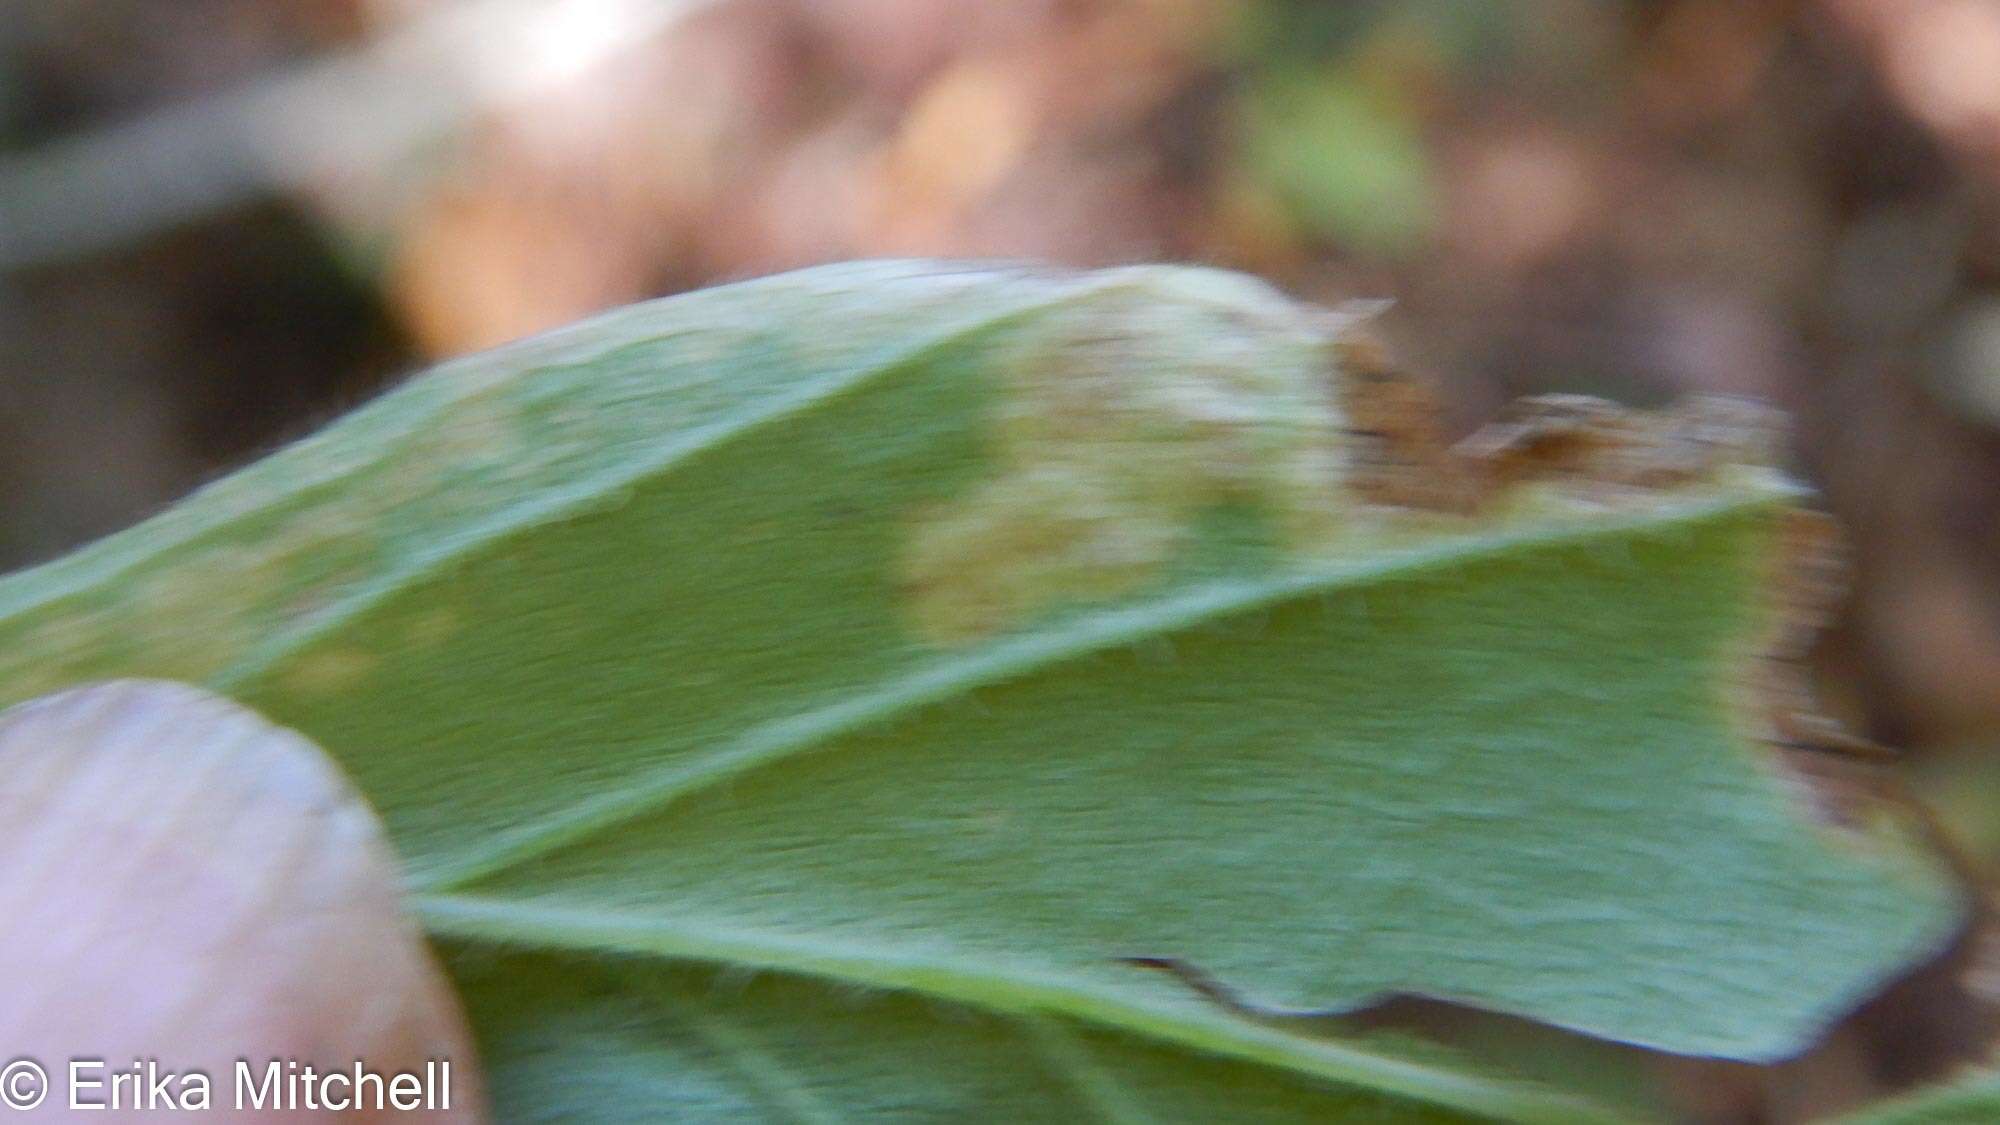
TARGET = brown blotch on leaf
(1601,452)
(1400,454)
(1844,778)
(1403,457)
(1602,447)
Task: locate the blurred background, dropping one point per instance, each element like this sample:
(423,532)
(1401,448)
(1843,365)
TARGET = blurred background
(224,221)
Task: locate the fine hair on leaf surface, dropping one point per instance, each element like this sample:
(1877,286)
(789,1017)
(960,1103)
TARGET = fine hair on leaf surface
(926,642)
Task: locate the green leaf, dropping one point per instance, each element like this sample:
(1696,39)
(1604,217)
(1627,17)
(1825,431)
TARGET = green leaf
(569,1038)
(914,644)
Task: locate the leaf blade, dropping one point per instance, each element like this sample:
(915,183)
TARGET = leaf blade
(1049,596)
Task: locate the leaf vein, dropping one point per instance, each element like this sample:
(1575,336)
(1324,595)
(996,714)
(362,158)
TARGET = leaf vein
(1093,633)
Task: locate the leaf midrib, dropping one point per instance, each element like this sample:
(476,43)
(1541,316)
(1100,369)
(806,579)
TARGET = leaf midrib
(1074,640)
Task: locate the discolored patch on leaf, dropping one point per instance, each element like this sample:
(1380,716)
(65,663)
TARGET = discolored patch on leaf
(1122,416)
(1578,452)
(1843,780)
(1110,449)
(1403,458)
(1601,450)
